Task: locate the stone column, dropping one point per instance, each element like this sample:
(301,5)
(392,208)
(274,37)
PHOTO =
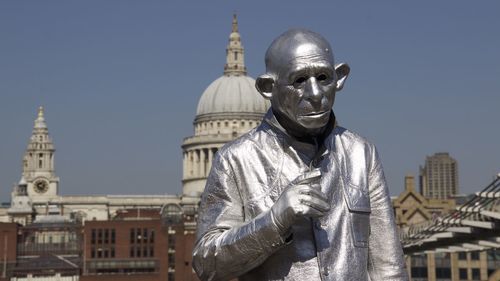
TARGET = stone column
(202,163)
(184,166)
(210,158)
(431,267)
(190,163)
(196,163)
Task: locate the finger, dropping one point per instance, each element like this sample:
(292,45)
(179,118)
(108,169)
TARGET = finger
(316,186)
(312,212)
(308,177)
(315,203)
(316,192)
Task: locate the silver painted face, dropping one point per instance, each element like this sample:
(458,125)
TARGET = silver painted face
(304,89)
(305,92)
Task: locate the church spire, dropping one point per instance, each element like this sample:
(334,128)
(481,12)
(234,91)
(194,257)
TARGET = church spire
(235,61)
(40,120)
(39,155)
(235,23)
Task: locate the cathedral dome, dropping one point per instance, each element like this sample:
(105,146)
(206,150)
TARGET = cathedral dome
(228,108)
(231,95)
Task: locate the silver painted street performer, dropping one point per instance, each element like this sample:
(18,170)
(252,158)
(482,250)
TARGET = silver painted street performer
(298,197)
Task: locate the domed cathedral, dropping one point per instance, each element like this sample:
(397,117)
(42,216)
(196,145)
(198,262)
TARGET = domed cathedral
(228,108)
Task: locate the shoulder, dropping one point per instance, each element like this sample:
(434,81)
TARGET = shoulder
(359,152)
(351,139)
(243,146)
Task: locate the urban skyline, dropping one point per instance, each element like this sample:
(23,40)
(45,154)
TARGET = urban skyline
(111,105)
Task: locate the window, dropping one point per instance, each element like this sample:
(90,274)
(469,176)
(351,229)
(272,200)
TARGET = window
(419,272)
(476,274)
(171,260)
(138,236)
(92,240)
(462,273)
(171,241)
(113,236)
(443,273)
(132,235)
(99,236)
(152,236)
(474,255)
(92,252)
(462,256)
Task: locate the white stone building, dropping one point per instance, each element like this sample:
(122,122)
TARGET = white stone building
(229,107)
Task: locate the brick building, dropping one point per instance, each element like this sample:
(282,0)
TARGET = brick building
(135,245)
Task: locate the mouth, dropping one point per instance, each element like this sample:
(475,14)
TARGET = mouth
(317,114)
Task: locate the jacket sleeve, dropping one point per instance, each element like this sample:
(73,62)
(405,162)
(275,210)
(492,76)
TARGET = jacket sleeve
(228,244)
(385,255)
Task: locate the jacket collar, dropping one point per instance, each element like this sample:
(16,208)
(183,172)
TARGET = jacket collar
(320,147)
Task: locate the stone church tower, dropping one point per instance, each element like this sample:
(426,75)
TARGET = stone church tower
(229,107)
(39,182)
(38,163)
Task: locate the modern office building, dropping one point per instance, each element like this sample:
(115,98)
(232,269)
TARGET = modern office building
(439,176)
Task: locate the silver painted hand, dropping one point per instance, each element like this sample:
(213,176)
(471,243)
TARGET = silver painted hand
(302,198)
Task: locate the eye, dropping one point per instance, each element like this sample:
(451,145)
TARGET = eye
(322,77)
(300,80)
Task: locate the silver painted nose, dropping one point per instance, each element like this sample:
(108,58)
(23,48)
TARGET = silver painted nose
(312,90)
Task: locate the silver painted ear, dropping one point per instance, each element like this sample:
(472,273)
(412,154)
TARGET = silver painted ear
(342,71)
(264,84)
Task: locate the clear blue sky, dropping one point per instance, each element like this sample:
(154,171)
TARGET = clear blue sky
(120,81)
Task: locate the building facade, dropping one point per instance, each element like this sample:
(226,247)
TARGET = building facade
(439,176)
(228,108)
(412,209)
(49,237)
(147,245)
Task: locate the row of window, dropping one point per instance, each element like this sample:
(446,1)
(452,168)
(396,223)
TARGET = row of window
(445,273)
(462,274)
(142,251)
(171,249)
(142,235)
(99,253)
(226,124)
(103,236)
(473,255)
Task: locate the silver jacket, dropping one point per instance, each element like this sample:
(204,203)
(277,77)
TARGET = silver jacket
(236,235)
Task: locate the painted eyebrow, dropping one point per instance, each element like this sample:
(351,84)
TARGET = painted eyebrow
(306,70)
